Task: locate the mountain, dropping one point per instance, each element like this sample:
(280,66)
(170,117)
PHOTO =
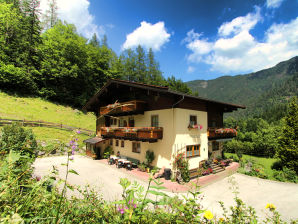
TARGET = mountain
(260,91)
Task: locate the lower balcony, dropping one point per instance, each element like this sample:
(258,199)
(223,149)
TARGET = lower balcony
(144,134)
(221,133)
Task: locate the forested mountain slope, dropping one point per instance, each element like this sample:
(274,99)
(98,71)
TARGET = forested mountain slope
(262,92)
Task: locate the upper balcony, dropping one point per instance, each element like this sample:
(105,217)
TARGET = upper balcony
(221,133)
(144,134)
(129,107)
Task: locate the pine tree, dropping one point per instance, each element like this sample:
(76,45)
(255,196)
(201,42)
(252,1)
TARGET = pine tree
(141,75)
(50,17)
(153,73)
(288,142)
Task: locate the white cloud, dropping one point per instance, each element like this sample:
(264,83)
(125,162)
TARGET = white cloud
(76,12)
(148,35)
(240,24)
(241,52)
(190,69)
(273,3)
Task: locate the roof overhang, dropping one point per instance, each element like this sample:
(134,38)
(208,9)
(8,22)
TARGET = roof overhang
(94,140)
(160,89)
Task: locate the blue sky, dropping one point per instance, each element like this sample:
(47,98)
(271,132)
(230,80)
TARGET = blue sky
(193,39)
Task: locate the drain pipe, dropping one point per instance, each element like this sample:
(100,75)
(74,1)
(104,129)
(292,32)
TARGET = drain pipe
(178,101)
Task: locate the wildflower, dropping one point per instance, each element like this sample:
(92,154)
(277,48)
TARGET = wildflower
(74,147)
(71,158)
(121,210)
(271,207)
(221,219)
(208,215)
(78,131)
(72,152)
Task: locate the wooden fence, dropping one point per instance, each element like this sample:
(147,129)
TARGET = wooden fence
(45,124)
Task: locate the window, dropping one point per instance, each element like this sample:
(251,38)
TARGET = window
(111,141)
(193,150)
(136,147)
(131,122)
(113,121)
(154,121)
(117,142)
(215,146)
(192,120)
(122,144)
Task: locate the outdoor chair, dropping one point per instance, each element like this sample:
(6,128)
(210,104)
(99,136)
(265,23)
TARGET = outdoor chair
(120,164)
(111,161)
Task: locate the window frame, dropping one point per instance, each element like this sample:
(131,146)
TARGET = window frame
(194,149)
(122,143)
(111,142)
(195,120)
(117,142)
(136,149)
(154,123)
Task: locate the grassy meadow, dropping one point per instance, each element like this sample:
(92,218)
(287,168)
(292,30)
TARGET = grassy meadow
(30,108)
(266,163)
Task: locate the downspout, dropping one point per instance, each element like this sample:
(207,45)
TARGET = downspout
(174,127)
(178,101)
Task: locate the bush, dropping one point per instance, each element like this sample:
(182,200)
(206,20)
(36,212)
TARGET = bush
(149,157)
(107,152)
(15,138)
(285,175)
(182,165)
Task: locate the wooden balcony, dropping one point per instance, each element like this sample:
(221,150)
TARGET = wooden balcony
(129,107)
(144,134)
(221,133)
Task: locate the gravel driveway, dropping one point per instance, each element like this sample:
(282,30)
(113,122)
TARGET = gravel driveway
(253,191)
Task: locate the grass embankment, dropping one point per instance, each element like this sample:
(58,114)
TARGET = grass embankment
(29,108)
(266,163)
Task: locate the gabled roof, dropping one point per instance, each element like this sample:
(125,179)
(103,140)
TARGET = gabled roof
(160,89)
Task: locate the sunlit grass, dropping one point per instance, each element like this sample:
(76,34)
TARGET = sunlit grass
(30,108)
(265,162)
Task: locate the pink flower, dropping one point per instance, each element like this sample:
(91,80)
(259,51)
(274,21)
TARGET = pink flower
(78,131)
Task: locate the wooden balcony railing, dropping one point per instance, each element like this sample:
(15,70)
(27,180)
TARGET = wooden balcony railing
(134,106)
(221,133)
(145,134)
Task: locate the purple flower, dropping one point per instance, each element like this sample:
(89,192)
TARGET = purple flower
(71,142)
(134,205)
(72,152)
(78,131)
(121,210)
(71,158)
(73,147)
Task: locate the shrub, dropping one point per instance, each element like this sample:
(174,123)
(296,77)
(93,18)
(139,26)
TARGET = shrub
(181,163)
(107,152)
(149,157)
(285,175)
(15,138)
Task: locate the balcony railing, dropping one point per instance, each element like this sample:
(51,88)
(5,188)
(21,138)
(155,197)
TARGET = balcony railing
(134,106)
(221,133)
(145,134)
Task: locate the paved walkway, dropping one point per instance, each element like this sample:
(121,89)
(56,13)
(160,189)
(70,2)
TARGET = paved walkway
(253,191)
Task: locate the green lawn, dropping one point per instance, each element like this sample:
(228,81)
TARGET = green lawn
(30,108)
(265,162)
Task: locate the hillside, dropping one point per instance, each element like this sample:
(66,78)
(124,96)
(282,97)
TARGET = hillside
(255,90)
(28,108)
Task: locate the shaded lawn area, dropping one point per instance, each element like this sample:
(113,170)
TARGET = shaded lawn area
(265,162)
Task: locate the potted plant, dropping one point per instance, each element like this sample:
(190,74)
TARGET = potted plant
(149,158)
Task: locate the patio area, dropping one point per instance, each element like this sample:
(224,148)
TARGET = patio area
(175,187)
